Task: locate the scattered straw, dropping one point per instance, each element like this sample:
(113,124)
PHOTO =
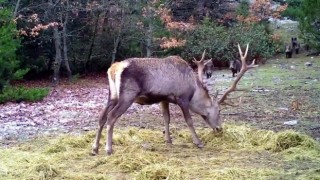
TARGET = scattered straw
(240,152)
(159,171)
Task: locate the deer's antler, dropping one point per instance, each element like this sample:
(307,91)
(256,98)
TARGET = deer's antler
(200,64)
(244,69)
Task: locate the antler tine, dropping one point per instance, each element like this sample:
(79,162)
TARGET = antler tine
(200,64)
(194,60)
(203,55)
(252,65)
(240,51)
(246,53)
(243,70)
(208,61)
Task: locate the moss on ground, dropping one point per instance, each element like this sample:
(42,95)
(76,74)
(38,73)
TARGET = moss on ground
(240,152)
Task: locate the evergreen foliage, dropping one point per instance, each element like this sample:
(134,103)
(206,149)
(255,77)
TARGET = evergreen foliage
(9,43)
(18,94)
(310,23)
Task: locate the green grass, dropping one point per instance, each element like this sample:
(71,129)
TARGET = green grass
(271,90)
(240,152)
(286,32)
(286,73)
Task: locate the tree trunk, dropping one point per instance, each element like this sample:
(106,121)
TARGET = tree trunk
(16,9)
(149,34)
(57,62)
(149,40)
(65,47)
(93,40)
(200,9)
(117,40)
(115,47)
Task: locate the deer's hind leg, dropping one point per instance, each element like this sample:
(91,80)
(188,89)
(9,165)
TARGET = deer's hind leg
(124,102)
(102,120)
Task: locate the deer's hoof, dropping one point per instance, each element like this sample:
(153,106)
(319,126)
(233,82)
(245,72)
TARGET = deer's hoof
(109,152)
(200,145)
(94,152)
(169,141)
(218,130)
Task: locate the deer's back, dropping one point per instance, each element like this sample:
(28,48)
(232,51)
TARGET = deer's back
(154,77)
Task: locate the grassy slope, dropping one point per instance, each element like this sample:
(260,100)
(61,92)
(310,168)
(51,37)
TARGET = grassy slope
(274,87)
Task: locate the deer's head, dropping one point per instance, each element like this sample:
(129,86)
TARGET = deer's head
(212,110)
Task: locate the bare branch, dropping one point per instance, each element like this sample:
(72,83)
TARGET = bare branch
(244,69)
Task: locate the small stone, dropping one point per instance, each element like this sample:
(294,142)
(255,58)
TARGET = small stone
(86,129)
(291,123)
(283,109)
(308,64)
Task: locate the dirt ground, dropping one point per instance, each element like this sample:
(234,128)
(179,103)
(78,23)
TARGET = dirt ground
(280,92)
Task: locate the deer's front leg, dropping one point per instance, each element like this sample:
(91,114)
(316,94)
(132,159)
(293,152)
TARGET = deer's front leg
(166,115)
(184,105)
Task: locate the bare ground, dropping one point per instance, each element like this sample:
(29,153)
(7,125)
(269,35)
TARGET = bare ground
(280,91)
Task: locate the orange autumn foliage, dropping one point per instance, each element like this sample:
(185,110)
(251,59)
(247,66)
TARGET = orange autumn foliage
(260,10)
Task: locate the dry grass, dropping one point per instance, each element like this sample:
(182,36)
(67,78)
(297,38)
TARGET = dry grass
(240,152)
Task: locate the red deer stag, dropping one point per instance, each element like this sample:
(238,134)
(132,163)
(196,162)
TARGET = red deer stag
(168,80)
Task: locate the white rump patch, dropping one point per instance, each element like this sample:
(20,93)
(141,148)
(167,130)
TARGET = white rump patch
(116,83)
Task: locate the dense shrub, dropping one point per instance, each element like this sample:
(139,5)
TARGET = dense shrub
(9,42)
(209,36)
(261,43)
(309,23)
(243,8)
(18,94)
(292,12)
(221,42)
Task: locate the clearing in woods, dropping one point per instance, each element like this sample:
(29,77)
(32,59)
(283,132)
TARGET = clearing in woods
(256,143)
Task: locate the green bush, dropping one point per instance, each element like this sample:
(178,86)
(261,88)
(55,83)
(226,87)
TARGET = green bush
(309,23)
(292,12)
(18,94)
(221,42)
(243,8)
(261,43)
(9,43)
(210,36)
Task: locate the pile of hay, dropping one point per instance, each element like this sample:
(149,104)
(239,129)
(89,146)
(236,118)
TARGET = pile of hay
(240,152)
